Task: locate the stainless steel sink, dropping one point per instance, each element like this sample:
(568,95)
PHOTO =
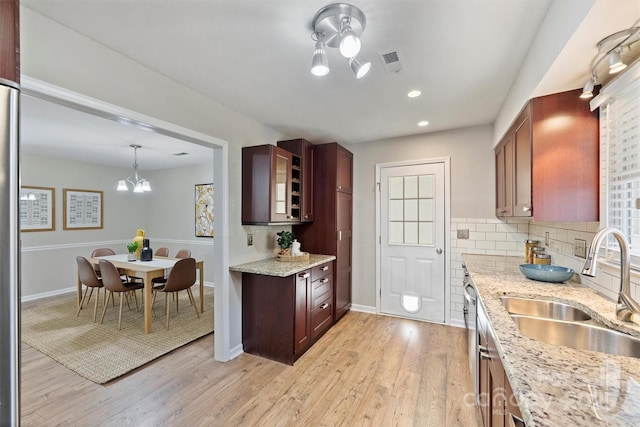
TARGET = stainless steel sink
(581,336)
(543,308)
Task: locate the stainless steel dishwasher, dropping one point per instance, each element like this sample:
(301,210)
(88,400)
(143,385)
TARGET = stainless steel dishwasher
(470,311)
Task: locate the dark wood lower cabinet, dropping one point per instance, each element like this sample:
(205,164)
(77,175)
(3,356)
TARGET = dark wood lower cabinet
(283,316)
(498,406)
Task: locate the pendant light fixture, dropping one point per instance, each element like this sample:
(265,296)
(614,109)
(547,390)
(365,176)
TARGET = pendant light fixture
(611,48)
(138,183)
(339,25)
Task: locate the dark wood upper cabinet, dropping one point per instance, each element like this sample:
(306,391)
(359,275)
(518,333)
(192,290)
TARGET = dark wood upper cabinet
(10,40)
(303,149)
(547,165)
(266,185)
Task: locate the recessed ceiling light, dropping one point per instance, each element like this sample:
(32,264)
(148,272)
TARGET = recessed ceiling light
(414,94)
(423,123)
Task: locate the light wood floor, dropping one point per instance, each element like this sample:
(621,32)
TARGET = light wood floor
(367,370)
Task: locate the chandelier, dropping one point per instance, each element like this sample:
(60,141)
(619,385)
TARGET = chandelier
(138,183)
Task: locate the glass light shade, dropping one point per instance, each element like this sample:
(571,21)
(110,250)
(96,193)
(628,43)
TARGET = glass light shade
(146,186)
(615,63)
(138,188)
(349,44)
(319,63)
(122,186)
(359,67)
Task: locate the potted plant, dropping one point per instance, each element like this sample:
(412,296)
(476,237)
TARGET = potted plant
(132,247)
(285,239)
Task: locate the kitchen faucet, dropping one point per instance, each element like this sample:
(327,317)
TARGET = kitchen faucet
(626,308)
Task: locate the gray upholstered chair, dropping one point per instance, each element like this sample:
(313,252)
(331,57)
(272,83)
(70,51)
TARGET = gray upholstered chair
(181,278)
(113,283)
(89,278)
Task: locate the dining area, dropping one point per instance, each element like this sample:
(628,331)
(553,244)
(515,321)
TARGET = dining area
(118,274)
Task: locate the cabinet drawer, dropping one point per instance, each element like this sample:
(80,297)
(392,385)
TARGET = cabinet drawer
(321,270)
(320,290)
(322,317)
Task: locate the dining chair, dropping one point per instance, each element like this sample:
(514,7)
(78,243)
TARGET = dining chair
(162,251)
(181,277)
(89,278)
(182,253)
(113,283)
(101,252)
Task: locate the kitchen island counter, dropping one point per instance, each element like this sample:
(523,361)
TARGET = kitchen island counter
(557,385)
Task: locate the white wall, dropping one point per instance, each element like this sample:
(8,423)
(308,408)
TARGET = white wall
(59,56)
(165,224)
(472,188)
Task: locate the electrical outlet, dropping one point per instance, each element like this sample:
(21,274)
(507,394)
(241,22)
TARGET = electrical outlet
(249,239)
(546,238)
(580,248)
(463,234)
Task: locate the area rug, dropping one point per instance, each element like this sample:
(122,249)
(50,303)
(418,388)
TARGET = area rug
(101,352)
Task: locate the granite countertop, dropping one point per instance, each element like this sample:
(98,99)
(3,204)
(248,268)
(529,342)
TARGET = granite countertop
(557,385)
(273,267)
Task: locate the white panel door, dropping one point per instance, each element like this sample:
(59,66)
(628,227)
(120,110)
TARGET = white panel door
(412,237)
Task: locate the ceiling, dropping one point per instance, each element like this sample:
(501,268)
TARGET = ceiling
(253,57)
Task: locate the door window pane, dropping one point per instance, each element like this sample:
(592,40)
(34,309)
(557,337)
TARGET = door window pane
(396,188)
(411,209)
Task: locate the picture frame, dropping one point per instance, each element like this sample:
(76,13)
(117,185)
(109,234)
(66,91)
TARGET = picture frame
(204,210)
(37,208)
(82,210)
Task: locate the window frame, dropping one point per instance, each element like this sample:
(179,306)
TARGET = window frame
(607,96)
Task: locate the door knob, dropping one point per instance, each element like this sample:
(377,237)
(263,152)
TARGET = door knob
(439,251)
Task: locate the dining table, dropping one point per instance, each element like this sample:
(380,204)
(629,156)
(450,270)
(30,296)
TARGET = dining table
(147,270)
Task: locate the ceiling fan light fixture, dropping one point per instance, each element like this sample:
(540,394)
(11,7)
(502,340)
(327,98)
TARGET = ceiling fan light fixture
(319,62)
(359,67)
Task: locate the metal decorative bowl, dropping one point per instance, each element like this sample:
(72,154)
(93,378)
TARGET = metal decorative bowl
(546,273)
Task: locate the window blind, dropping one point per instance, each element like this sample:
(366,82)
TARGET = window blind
(620,130)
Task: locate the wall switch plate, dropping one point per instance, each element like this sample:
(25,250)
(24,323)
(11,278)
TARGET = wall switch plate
(546,238)
(463,234)
(249,239)
(580,248)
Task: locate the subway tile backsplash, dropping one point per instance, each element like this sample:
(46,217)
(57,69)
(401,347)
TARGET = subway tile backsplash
(506,237)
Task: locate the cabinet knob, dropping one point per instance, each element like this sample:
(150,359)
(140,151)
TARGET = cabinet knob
(439,251)
(303,275)
(339,187)
(502,211)
(324,306)
(325,280)
(324,268)
(526,209)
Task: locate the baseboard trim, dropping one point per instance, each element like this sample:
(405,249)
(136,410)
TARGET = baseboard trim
(364,308)
(457,323)
(235,351)
(70,290)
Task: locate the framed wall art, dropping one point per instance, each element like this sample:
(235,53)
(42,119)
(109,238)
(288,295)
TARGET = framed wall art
(82,209)
(37,208)
(204,210)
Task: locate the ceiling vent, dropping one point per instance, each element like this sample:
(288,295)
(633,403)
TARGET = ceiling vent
(391,62)
(180,154)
